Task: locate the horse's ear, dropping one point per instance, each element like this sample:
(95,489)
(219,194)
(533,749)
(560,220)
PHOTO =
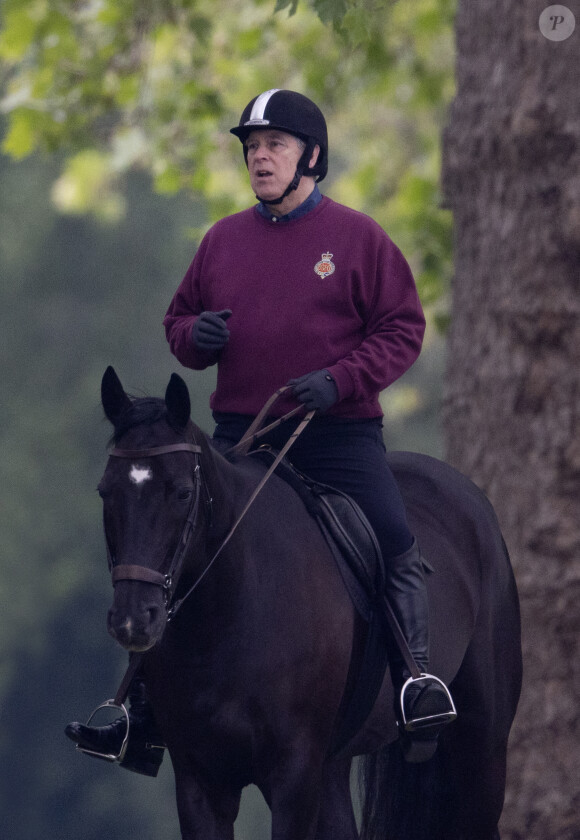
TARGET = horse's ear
(115,400)
(177,402)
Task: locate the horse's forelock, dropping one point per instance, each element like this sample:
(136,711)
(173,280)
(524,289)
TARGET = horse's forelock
(143,411)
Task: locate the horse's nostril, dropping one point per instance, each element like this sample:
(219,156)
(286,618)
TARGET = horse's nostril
(153,614)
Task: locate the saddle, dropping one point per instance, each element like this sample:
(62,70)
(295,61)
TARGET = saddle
(356,552)
(346,530)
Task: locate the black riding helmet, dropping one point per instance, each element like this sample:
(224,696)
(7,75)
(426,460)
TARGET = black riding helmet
(294,113)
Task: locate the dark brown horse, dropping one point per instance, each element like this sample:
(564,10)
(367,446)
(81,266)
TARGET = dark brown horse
(247,678)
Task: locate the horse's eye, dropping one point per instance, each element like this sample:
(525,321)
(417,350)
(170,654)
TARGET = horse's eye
(184,494)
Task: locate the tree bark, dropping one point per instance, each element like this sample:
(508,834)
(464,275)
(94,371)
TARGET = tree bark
(511,175)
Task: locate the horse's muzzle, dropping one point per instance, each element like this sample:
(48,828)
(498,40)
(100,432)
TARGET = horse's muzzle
(136,623)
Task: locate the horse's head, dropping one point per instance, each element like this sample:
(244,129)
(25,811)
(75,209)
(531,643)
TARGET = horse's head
(150,492)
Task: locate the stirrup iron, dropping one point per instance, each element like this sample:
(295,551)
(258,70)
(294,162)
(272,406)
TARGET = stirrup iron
(435,721)
(109,704)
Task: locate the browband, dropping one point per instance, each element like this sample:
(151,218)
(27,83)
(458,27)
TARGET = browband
(156,450)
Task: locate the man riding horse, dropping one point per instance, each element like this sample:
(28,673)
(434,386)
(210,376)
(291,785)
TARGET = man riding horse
(301,289)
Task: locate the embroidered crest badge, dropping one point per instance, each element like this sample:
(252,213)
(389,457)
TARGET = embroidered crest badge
(325,266)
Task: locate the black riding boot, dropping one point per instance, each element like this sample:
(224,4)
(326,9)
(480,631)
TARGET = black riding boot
(422,705)
(144,749)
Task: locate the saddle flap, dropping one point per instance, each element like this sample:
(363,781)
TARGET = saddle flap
(350,529)
(346,530)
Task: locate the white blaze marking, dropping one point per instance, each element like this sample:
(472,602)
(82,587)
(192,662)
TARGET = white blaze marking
(139,475)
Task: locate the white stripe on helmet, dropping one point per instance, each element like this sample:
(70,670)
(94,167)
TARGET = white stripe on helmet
(259,108)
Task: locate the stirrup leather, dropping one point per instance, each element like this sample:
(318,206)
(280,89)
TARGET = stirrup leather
(119,756)
(437,720)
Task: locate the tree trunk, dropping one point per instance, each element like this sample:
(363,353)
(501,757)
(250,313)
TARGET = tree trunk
(511,175)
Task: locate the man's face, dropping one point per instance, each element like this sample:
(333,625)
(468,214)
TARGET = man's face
(272,159)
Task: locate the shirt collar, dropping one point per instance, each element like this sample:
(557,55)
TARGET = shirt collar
(313,199)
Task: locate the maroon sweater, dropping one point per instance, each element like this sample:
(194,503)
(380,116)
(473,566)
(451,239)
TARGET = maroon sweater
(328,290)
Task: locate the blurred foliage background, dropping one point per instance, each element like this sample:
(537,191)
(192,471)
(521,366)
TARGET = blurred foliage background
(114,120)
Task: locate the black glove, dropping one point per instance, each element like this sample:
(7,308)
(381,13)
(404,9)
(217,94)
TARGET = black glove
(209,332)
(317,390)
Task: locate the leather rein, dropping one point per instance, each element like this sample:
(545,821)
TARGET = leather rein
(168,580)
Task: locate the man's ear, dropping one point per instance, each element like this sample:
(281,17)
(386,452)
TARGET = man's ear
(314,158)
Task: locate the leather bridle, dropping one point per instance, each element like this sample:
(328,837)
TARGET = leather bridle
(166,580)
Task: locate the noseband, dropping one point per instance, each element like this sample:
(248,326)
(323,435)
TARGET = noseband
(125,571)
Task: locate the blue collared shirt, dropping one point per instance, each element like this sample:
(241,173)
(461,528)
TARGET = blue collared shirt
(313,199)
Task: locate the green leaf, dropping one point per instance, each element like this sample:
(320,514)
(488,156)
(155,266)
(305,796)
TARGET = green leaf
(158,84)
(20,139)
(169,180)
(18,33)
(330,11)
(283,4)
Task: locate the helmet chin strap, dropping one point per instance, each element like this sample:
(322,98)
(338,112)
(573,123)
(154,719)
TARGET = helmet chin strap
(303,164)
(293,185)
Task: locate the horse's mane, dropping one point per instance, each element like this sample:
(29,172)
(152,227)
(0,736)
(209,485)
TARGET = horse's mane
(143,411)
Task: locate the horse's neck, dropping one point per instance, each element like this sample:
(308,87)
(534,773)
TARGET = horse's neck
(226,484)
(226,489)
(218,567)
